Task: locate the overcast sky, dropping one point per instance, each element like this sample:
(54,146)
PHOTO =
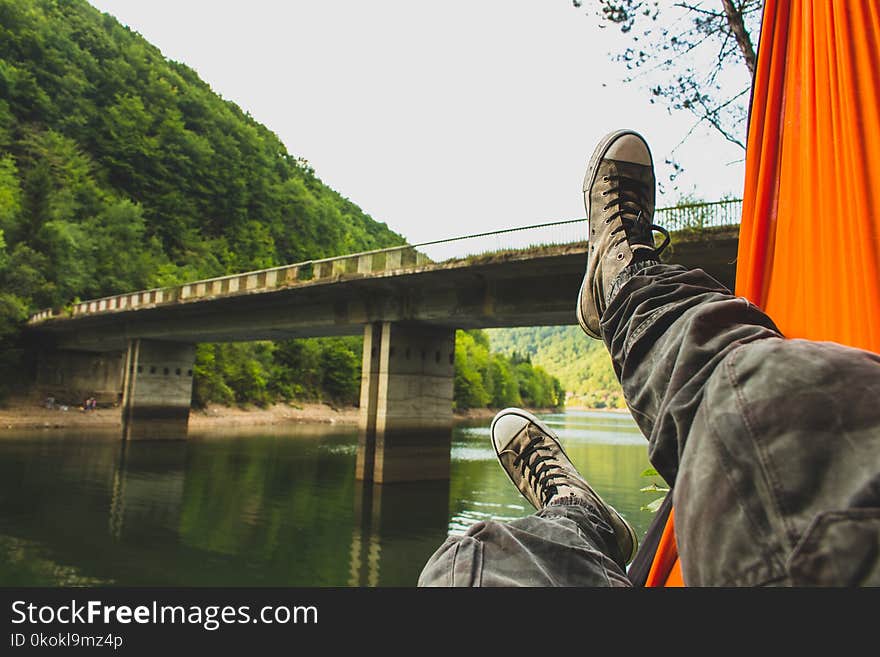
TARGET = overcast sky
(439,119)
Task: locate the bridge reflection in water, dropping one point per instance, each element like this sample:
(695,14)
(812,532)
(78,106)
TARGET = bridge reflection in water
(391,523)
(263,508)
(266,507)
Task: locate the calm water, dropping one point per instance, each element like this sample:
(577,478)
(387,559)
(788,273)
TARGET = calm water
(274,507)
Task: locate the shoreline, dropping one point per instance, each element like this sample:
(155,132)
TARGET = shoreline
(29,414)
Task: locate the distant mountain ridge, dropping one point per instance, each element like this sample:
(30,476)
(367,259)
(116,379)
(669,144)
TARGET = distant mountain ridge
(581,364)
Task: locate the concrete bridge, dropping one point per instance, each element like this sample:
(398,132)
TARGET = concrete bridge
(138,348)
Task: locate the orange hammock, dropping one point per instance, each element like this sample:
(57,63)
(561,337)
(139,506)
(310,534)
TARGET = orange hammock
(809,244)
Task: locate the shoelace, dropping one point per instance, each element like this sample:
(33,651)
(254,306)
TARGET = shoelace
(628,197)
(539,477)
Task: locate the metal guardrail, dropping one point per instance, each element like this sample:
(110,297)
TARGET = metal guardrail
(700,216)
(695,217)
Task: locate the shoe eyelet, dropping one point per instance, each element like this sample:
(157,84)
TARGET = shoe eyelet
(608,221)
(620,256)
(605,193)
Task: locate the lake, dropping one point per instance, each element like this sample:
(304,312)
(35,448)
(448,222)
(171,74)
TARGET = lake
(275,506)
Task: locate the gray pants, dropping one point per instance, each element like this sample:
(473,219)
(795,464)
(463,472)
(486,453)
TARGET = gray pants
(772,446)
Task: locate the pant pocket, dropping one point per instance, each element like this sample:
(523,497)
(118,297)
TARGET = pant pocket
(840,548)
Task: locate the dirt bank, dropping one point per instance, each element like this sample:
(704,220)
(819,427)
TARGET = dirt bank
(34,417)
(232,416)
(475,414)
(30,414)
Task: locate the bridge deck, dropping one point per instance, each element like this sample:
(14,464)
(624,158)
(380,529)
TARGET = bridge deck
(536,286)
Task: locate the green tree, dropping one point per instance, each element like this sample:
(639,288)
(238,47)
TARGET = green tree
(505,388)
(581,365)
(208,382)
(10,195)
(297,371)
(471,361)
(341,368)
(484,379)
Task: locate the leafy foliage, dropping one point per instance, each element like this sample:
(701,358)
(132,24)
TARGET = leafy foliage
(581,364)
(315,369)
(485,379)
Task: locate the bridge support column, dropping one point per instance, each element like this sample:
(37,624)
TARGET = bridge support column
(157,390)
(406,402)
(72,376)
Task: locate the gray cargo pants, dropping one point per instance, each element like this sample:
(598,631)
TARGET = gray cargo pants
(772,446)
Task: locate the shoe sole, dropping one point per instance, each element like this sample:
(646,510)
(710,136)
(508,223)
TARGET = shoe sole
(592,170)
(543,427)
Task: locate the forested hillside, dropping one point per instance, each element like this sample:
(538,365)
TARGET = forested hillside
(580,363)
(495,380)
(121,170)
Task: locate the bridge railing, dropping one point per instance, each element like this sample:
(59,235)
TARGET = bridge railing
(700,216)
(694,217)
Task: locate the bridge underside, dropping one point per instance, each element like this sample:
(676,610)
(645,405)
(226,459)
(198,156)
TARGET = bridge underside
(408,320)
(491,292)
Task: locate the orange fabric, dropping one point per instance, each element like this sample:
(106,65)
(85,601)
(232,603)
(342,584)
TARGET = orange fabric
(674,579)
(666,569)
(809,248)
(809,244)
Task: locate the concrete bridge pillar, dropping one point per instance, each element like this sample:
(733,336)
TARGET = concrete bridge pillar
(406,402)
(157,389)
(72,376)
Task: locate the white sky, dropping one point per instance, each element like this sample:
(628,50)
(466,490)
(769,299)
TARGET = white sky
(439,119)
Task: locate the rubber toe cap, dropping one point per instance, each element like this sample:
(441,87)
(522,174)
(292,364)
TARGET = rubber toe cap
(505,427)
(630,148)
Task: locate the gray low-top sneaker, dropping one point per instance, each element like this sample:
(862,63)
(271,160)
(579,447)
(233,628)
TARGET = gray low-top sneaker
(533,458)
(619,191)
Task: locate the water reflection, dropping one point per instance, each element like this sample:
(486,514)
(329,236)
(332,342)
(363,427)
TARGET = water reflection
(397,526)
(267,507)
(147,488)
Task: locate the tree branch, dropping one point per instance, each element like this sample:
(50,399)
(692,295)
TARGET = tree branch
(738,27)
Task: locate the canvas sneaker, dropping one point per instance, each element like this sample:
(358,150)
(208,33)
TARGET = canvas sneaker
(533,458)
(619,191)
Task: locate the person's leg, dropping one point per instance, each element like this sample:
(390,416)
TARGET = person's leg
(667,329)
(574,539)
(561,545)
(772,445)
